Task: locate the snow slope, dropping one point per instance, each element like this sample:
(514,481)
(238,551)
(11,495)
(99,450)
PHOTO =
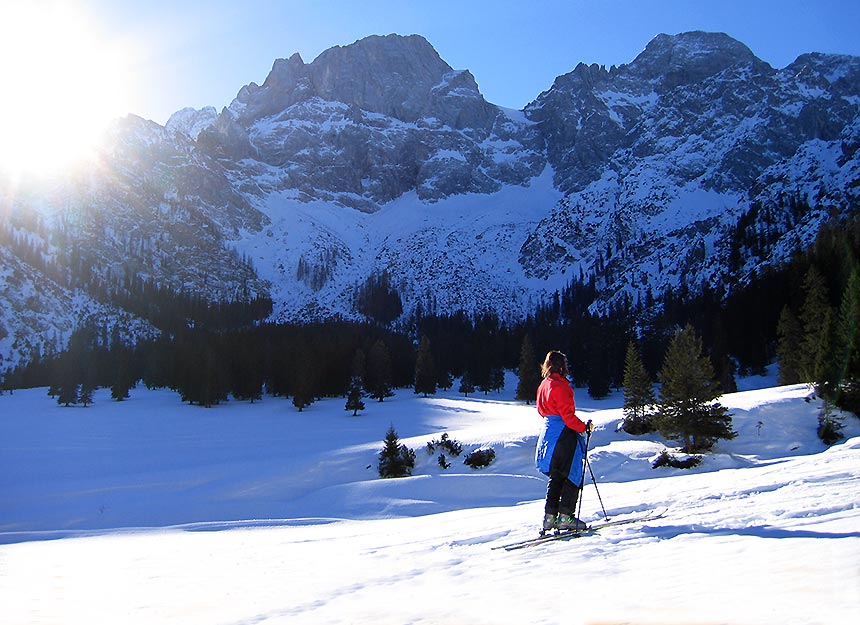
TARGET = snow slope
(164,513)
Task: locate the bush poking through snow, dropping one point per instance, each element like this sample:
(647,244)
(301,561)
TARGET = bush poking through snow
(480,458)
(829,429)
(453,447)
(665,459)
(446,444)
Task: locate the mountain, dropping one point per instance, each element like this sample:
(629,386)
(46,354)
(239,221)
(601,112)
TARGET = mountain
(659,159)
(696,163)
(365,124)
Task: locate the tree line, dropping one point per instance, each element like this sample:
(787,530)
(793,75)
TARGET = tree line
(804,314)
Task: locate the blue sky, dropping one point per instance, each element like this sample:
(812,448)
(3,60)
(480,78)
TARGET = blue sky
(197,53)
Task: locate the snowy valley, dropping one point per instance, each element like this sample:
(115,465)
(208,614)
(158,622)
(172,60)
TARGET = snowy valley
(151,511)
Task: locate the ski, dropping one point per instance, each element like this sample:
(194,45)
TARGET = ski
(591,529)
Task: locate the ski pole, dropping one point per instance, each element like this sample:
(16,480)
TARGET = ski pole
(594,481)
(584,464)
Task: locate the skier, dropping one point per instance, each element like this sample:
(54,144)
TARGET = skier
(561,449)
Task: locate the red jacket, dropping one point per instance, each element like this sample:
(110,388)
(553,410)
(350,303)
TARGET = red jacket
(555,397)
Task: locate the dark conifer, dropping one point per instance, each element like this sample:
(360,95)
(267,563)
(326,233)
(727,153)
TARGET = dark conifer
(379,374)
(65,384)
(303,389)
(849,340)
(528,373)
(789,347)
(827,370)
(122,381)
(353,398)
(497,379)
(425,370)
(689,409)
(639,398)
(356,383)
(246,368)
(85,395)
(444,379)
(395,459)
(466,385)
(812,315)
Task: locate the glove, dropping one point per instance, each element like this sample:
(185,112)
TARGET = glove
(589,426)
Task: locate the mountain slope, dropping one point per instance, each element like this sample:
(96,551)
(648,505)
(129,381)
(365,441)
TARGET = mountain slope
(663,156)
(378,157)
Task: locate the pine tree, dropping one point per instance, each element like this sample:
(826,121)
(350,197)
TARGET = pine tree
(67,386)
(425,370)
(444,380)
(528,373)
(827,369)
(356,383)
(790,337)
(638,394)
(466,385)
(303,391)
(358,370)
(688,409)
(68,394)
(827,380)
(395,459)
(353,399)
(85,396)
(497,379)
(122,382)
(812,314)
(246,369)
(213,384)
(379,374)
(849,339)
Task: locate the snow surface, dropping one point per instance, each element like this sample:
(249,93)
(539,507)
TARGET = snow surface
(149,511)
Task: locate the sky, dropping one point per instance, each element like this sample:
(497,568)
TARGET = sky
(172,54)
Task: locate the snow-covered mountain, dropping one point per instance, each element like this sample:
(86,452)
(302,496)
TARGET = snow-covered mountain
(378,157)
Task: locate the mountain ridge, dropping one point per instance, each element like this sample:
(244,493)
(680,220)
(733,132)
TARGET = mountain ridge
(333,171)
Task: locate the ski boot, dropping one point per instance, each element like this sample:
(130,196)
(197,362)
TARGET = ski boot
(568,522)
(550,523)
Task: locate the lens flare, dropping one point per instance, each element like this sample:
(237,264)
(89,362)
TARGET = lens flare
(63,81)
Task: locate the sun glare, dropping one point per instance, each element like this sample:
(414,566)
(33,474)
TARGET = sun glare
(62,83)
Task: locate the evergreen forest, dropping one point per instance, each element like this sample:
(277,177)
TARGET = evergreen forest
(804,315)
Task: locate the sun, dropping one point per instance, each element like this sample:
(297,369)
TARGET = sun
(62,83)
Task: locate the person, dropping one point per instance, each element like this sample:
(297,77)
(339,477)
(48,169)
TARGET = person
(561,448)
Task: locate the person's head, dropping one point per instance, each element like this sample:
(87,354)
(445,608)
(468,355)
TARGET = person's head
(555,362)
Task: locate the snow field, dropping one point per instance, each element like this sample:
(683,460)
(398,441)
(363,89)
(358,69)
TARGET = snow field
(164,513)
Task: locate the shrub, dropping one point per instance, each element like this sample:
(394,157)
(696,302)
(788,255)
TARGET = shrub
(638,425)
(665,459)
(453,447)
(480,458)
(829,429)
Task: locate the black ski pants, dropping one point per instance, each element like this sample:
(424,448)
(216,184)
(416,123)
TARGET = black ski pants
(561,493)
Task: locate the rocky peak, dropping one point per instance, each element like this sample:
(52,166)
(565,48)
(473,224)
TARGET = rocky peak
(190,121)
(391,75)
(828,70)
(673,60)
